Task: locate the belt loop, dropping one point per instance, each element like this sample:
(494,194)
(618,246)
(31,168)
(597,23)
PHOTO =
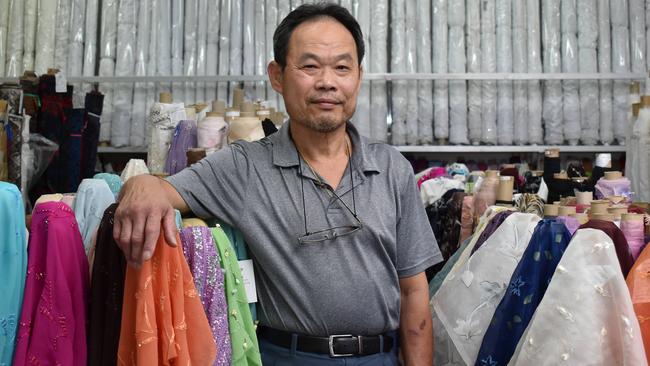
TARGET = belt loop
(294,343)
(381,343)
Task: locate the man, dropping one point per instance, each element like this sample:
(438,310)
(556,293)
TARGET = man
(334,222)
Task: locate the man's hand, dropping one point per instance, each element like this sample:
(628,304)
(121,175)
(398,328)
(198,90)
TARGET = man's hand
(416,332)
(145,204)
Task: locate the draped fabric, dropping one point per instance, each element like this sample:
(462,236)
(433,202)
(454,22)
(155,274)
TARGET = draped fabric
(445,220)
(623,252)
(114,182)
(52,326)
(94,103)
(92,199)
(13,261)
(202,257)
(184,139)
(525,290)
(163,321)
(133,168)
(586,316)
(639,285)
(106,295)
(490,228)
(245,348)
(466,301)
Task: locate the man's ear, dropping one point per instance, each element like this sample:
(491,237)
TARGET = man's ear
(275,75)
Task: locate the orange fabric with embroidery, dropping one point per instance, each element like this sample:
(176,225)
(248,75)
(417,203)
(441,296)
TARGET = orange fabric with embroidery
(638,282)
(163,321)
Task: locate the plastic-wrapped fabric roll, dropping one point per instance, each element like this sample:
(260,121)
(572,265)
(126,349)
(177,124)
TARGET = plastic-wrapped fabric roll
(212,133)
(589,98)
(284,7)
(474,66)
(106,68)
(411,67)
(164,46)
(236,19)
(189,64)
(76,49)
(138,114)
(605,66)
(178,26)
(456,13)
(15,39)
(90,45)
(45,36)
(620,58)
(361,117)
(552,107)
(107,50)
(270,22)
(399,58)
(379,64)
(587,23)
(224,48)
(124,66)
(488,65)
(457,88)
(619,13)
(260,51)
(571,108)
(519,65)
(505,123)
(425,87)
(212,49)
(61,38)
(440,57)
(248,55)
(201,44)
(152,63)
(295,4)
(535,131)
(29,33)
(637,35)
(4,28)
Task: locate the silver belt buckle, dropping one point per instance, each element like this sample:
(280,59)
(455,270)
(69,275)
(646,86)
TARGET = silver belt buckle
(331,345)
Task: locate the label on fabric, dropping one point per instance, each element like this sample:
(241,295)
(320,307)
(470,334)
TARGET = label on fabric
(248,274)
(61,82)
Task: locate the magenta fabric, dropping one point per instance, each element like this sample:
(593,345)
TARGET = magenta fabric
(433,173)
(52,328)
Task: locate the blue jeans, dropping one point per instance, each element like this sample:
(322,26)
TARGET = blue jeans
(273,355)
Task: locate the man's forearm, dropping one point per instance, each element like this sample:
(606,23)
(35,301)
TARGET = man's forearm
(416,333)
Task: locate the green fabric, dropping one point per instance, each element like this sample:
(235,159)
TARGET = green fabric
(245,349)
(437,280)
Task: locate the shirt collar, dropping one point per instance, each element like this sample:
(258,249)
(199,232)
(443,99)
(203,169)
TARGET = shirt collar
(285,155)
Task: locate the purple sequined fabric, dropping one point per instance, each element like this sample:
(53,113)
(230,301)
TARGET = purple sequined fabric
(183,140)
(202,257)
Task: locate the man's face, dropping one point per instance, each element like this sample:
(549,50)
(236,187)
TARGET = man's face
(321,80)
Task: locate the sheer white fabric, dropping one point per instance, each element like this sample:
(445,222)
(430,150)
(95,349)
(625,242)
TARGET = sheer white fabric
(466,301)
(586,316)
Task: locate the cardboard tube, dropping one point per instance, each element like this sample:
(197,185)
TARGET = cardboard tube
(165,98)
(219,106)
(617,211)
(561,175)
(491,174)
(645,101)
(247,109)
(613,175)
(566,210)
(237,98)
(636,107)
(581,217)
(506,185)
(190,113)
(631,217)
(604,217)
(584,198)
(551,210)
(599,207)
(635,88)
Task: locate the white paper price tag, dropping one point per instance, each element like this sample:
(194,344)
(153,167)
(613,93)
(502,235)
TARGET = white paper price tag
(248,273)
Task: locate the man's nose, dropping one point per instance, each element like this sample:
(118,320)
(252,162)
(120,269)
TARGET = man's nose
(326,79)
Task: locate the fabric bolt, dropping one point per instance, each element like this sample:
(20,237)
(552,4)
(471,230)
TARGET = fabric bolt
(92,199)
(133,168)
(113,181)
(14,129)
(490,228)
(183,140)
(586,316)
(467,218)
(616,187)
(525,291)
(639,286)
(212,133)
(245,348)
(571,223)
(625,258)
(106,295)
(54,197)
(530,203)
(634,231)
(465,304)
(94,102)
(437,280)
(434,189)
(163,321)
(445,220)
(431,174)
(485,195)
(52,328)
(202,257)
(13,260)
(193,222)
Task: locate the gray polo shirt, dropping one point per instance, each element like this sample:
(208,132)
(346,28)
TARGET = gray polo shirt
(349,285)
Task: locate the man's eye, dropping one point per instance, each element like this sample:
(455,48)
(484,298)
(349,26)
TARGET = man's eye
(342,67)
(309,66)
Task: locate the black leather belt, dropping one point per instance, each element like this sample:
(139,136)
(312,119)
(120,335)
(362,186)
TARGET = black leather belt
(341,345)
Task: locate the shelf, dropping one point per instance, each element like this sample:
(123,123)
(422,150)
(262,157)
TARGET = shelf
(369,76)
(449,149)
(122,150)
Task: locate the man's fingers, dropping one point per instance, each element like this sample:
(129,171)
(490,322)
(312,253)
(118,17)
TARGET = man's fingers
(169,227)
(151,234)
(137,237)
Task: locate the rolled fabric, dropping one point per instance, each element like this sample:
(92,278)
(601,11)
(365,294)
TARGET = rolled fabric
(474,66)
(605,65)
(457,88)
(424,65)
(571,108)
(138,113)
(378,64)
(488,64)
(90,45)
(505,111)
(45,36)
(398,60)
(634,233)
(124,66)
(440,61)
(616,187)
(15,34)
(185,138)
(535,131)
(29,36)
(520,65)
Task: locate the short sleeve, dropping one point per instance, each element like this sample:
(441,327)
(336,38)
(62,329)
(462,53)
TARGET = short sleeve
(216,186)
(417,248)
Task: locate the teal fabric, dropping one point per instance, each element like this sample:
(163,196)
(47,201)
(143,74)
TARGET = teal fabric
(178,219)
(92,199)
(437,280)
(13,266)
(114,181)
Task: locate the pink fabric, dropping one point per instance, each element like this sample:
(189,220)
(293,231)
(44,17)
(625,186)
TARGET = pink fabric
(634,231)
(582,208)
(466,219)
(433,173)
(572,224)
(52,328)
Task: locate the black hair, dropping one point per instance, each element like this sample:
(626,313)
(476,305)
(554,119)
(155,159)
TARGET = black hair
(307,12)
